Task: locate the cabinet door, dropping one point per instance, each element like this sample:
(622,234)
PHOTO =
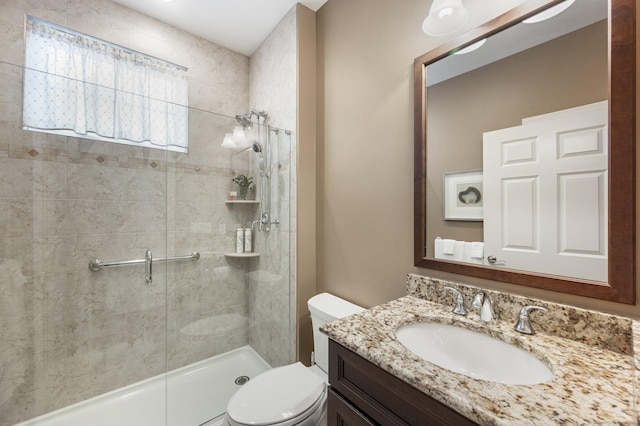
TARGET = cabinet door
(383,398)
(341,413)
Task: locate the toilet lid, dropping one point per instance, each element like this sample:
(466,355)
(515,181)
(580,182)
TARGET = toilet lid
(276,395)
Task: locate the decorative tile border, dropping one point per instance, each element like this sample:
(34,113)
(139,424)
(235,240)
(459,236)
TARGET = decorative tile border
(126,162)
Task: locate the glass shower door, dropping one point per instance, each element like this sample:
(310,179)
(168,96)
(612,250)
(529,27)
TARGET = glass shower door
(229,313)
(69,332)
(207,304)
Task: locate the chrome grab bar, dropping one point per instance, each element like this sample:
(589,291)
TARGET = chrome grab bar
(97,264)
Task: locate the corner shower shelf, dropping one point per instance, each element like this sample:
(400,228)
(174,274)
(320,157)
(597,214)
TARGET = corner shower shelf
(242,255)
(242,201)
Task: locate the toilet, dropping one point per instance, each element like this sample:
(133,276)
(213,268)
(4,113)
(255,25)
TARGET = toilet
(292,394)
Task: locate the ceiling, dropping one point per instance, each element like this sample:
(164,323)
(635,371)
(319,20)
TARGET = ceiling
(239,25)
(519,38)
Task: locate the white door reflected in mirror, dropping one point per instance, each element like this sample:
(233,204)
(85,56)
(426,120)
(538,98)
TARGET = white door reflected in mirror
(546,192)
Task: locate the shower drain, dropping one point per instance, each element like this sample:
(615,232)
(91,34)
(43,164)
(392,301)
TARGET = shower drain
(241,380)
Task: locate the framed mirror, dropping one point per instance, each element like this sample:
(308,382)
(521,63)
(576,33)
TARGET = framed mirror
(514,228)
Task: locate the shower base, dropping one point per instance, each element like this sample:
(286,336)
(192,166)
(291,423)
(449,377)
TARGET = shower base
(189,396)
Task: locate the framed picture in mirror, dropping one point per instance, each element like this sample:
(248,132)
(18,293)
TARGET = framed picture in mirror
(463,195)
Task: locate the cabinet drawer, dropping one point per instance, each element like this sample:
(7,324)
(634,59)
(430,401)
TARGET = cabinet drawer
(384,398)
(341,413)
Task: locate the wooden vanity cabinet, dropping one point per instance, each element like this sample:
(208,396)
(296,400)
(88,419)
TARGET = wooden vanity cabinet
(362,393)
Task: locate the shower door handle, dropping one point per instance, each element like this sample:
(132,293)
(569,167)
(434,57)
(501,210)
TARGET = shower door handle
(148,266)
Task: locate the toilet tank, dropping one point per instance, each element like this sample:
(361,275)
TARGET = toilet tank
(325,308)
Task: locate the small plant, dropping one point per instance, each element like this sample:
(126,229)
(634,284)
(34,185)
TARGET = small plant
(244,183)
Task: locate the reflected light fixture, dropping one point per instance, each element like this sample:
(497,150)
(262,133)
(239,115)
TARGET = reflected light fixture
(445,17)
(239,137)
(250,135)
(549,13)
(228,141)
(475,46)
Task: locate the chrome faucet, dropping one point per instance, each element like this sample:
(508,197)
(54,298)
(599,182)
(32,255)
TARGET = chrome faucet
(459,307)
(524,324)
(483,303)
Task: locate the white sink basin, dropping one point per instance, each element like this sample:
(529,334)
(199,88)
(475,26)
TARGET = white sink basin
(473,354)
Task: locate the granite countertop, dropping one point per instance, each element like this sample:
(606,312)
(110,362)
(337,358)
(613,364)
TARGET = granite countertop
(591,385)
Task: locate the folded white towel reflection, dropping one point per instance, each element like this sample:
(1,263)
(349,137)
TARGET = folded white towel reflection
(458,250)
(473,253)
(477,250)
(454,249)
(448,246)
(437,248)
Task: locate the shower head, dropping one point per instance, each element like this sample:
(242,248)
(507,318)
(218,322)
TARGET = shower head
(260,113)
(257,147)
(244,120)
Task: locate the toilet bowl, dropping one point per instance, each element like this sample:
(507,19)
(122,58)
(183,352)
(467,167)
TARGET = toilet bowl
(292,394)
(288,395)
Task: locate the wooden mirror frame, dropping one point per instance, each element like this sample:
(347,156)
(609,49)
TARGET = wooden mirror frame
(621,285)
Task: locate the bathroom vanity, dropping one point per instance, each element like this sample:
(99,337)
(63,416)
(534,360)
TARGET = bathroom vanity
(375,379)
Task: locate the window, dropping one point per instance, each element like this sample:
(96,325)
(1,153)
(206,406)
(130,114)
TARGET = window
(85,87)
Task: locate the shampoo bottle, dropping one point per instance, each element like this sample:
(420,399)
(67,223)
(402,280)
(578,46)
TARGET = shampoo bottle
(248,243)
(239,240)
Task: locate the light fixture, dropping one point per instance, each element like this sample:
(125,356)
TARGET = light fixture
(239,137)
(228,141)
(549,13)
(250,135)
(445,17)
(475,46)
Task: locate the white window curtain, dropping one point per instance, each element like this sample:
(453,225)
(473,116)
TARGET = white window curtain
(94,89)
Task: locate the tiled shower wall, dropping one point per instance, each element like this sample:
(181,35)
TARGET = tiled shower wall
(272,292)
(68,333)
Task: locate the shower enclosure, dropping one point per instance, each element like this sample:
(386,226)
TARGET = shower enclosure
(118,262)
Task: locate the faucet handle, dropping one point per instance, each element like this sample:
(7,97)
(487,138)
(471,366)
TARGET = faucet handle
(459,308)
(524,324)
(478,299)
